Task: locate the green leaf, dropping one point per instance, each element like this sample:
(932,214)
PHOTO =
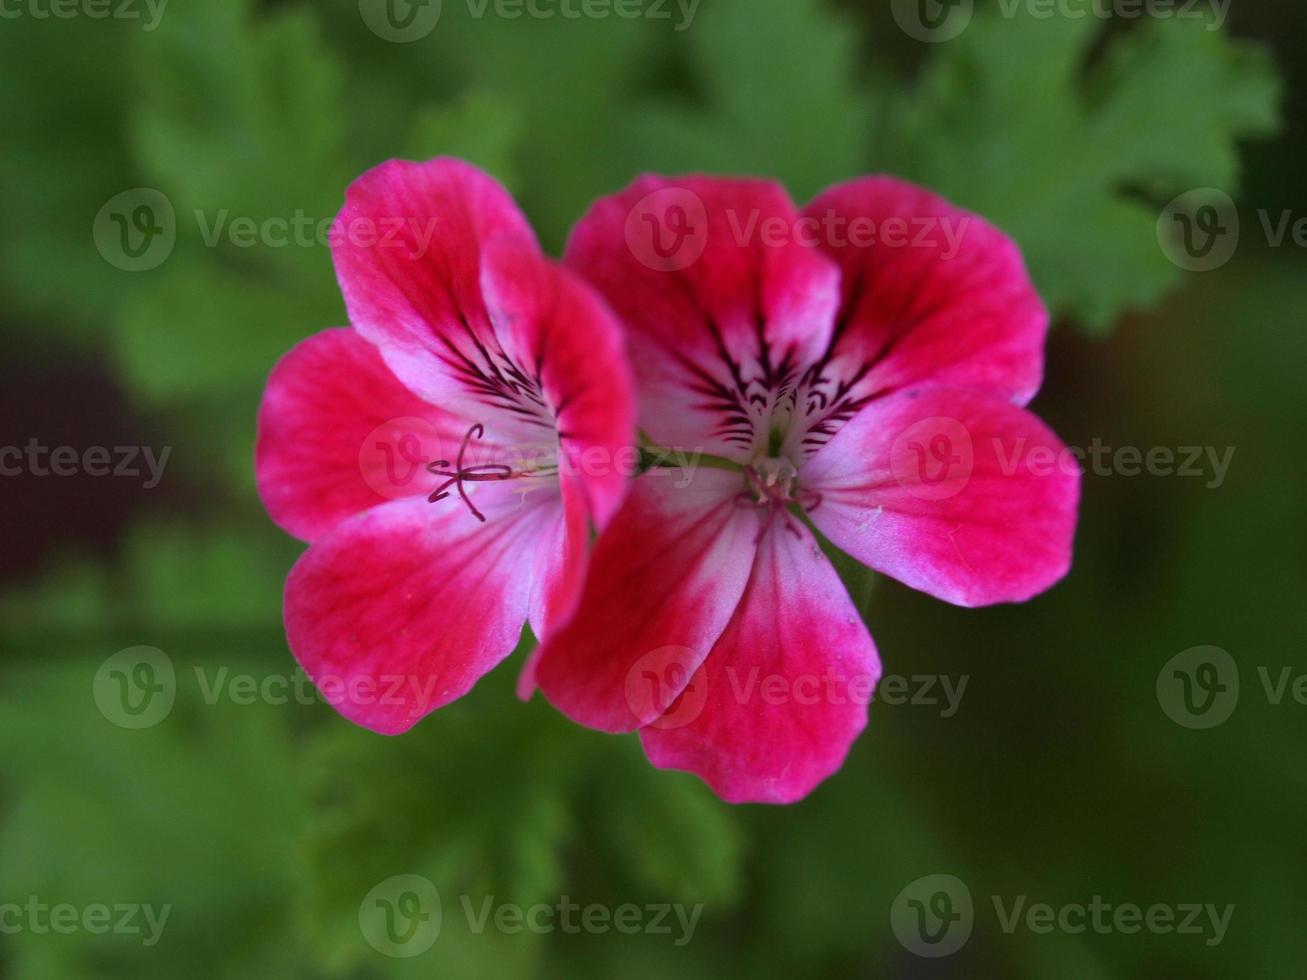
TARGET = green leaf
(1005,122)
(242,114)
(483,129)
(807,127)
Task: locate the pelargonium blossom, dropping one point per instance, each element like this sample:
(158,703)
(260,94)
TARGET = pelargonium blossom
(860,370)
(505,376)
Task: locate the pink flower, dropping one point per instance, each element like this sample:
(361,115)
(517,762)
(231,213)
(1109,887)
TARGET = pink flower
(860,368)
(443,456)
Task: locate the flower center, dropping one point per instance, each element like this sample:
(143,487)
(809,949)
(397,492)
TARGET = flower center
(771,481)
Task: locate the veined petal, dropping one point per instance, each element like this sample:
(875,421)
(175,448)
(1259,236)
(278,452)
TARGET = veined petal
(951,491)
(932,294)
(338,434)
(784,692)
(570,349)
(402,609)
(723,304)
(664,580)
(408,247)
(561,558)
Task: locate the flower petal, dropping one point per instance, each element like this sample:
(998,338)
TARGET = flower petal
(723,305)
(571,349)
(951,491)
(784,692)
(562,555)
(931,294)
(408,251)
(402,609)
(663,582)
(338,434)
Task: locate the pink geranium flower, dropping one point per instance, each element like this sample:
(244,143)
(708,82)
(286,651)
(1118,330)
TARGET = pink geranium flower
(858,369)
(505,378)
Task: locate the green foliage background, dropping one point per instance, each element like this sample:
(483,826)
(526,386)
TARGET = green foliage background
(1059,778)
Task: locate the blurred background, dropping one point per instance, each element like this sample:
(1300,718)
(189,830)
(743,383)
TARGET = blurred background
(1151,166)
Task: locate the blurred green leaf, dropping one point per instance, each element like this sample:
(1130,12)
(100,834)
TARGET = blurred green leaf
(808,127)
(1006,122)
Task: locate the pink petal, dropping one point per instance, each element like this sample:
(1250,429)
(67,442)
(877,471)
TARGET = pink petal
(338,434)
(663,582)
(722,302)
(931,293)
(784,692)
(954,492)
(562,555)
(558,330)
(402,609)
(408,251)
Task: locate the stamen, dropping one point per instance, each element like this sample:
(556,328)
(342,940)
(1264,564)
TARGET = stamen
(470,474)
